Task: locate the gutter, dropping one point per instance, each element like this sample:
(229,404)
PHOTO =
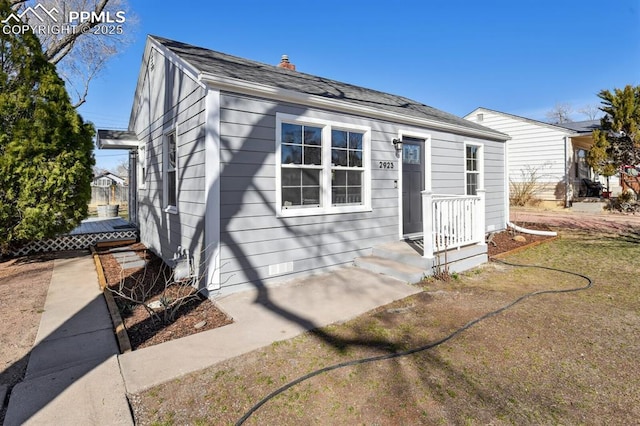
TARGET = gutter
(568,155)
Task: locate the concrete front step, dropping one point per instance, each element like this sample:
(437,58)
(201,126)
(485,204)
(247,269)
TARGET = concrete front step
(589,206)
(464,264)
(401,271)
(404,260)
(402,252)
(410,254)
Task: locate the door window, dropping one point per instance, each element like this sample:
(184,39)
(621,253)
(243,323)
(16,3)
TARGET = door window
(411,154)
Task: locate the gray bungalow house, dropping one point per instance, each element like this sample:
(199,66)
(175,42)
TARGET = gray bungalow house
(265,173)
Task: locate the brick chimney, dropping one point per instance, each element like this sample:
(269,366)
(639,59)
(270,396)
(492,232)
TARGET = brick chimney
(284,63)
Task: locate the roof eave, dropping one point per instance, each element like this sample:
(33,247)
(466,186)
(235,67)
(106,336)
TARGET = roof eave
(567,132)
(106,139)
(256,89)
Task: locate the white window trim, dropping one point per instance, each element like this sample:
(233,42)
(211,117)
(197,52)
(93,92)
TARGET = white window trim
(480,171)
(142,165)
(165,170)
(325,185)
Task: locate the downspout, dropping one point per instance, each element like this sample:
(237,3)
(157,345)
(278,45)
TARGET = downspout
(212,192)
(532,231)
(507,187)
(133,187)
(519,228)
(568,191)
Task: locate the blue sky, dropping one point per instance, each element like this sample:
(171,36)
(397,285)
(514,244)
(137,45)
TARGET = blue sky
(521,57)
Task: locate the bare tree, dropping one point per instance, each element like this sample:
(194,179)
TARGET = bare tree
(591,111)
(560,113)
(81,49)
(122,169)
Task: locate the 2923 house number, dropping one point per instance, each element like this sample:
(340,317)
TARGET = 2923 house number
(386,165)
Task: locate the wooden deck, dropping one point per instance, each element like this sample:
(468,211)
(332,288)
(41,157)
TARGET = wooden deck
(95,225)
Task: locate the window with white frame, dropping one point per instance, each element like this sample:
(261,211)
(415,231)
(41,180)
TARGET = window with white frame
(472,170)
(322,167)
(346,167)
(301,148)
(171,171)
(142,166)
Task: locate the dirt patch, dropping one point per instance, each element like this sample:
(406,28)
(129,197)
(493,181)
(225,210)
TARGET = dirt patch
(147,285)
(23,289)
(509,240)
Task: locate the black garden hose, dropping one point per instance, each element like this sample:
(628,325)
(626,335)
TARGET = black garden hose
(428,346)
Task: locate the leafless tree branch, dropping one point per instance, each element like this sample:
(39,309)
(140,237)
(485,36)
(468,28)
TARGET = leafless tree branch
(560,113)
(80,55)
(591,111)
(52,51)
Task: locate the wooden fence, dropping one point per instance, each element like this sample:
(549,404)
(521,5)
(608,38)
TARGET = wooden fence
(114,194)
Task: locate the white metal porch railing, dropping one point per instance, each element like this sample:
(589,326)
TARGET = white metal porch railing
(452,221)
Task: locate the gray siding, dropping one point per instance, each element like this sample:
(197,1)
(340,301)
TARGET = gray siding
(253,238)
(448,176)
(169,99)
(495,185)
(256,246)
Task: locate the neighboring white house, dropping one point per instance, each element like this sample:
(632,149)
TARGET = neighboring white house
(107,179)
(108,188)
(265,173)
(556,153)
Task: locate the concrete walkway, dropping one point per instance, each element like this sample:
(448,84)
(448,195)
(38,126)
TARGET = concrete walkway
(262,317)
(72,377)
(75,377)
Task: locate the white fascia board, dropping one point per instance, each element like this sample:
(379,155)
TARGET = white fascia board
(255,89)
(180,63)
(561,129)
(116,144)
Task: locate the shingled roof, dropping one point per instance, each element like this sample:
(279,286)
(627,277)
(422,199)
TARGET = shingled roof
(210,62)
(587,126)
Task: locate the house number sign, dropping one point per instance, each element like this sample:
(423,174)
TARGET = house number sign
(386,165)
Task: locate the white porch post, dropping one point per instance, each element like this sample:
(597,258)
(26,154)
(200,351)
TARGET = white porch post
(427,223)
(480,225)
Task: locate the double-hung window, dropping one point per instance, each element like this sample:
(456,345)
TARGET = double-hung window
(346,167)
(321,167)
(473,157)
(301,147)
(171,172)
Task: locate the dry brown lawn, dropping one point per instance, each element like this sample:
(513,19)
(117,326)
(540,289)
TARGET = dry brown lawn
(552,359)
